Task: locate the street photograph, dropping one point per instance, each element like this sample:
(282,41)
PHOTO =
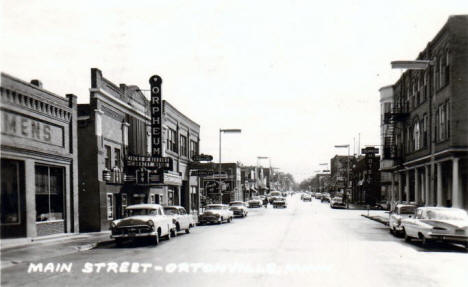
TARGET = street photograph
(234,143)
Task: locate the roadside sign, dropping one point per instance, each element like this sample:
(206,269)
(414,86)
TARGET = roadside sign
(149,162)
(202,157)
(370,150)
(202,172)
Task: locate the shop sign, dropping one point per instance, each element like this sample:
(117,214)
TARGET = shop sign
(156,116)
(202,172)
(202,157)
(20,126)
(370,150)
(149,162)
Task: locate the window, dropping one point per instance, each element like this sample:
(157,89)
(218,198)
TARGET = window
(447,115)
(108,157)
(416,136)
(10,192)
(183,145)
(425,128)
(124,203)
(49,193)
(110,206)
(152,198)
(442,122)
(171,140)
(193,148)
(117,157)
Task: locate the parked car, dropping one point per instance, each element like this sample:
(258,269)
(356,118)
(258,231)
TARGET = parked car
(337,202)
(239,208)
(400,212)
(306,197)
(180,218)
(437,224)
(142,220)
(273,196)
(216,213)
(280,203)
(318,195)
(255,202)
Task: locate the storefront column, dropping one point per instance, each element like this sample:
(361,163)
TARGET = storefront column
(427,198)
(439,185)
(400,187)
(407,185)
(416,186)
(30,193)
(392,187)
(457,199)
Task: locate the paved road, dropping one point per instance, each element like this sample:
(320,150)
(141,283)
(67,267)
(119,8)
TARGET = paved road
(305,244)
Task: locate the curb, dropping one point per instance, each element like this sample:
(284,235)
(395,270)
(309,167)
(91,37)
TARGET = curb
(384,222)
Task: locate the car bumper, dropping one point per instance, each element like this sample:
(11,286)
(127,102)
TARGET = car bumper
(209,219)
(449,237)
(238,213)
(133,235)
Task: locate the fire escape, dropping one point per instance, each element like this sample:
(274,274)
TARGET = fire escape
(392,149)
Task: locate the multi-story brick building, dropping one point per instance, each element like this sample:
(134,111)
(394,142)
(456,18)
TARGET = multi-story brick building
(39,194)
(114,139)
(386,106)
(429,138)
(366,180)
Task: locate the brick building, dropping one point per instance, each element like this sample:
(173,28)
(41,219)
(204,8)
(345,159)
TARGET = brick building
(39,160)
(429,137)
(366,180)
(114,129)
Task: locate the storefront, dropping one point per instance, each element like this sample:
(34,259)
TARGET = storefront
(38,160)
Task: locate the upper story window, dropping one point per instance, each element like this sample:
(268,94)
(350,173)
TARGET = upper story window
(416,136)
(108,157)
(425,129)
(193,148)
(117,158)
(171,140)
(442,122)
(183,146)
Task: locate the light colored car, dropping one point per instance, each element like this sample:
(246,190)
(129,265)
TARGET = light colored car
(142,220)
(325,197)
(238,208)
(274,195)
(318,195)
(400,212)
(180,218)
(216,213)
(280,203)
(306,197)
(337,202)
(255,202)
(437,223)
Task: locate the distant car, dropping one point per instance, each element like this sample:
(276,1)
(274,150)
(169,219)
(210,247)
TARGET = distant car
(325,197)
(216,213)
(337,202)
(280,203)
(273,196)
(181,219)
(239,208)
(255,202)
(437,224)
(400,212)
(318,195)
(306,197)
(142,220)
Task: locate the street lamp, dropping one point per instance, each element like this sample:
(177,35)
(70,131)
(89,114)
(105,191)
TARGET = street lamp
(347,172)
(232,131)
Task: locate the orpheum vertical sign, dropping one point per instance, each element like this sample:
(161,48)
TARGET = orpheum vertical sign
(156,116)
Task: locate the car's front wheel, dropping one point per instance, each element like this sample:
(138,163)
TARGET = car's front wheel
(229,219)
(406,236)
(187,230)
(156,239)
(119,242)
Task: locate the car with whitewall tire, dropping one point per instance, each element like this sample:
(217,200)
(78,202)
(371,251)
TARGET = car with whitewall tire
(238,208)
(216,213)
(180,218)
(397,214)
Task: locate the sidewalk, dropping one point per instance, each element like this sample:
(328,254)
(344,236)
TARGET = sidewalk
(20,250)
(382,218)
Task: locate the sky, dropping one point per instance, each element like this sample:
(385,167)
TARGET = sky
(298,77)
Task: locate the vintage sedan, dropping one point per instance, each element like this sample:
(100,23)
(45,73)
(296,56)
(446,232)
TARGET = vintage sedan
(274,195)
(400,212)
(142,220)
(337,202)
(180,218)
(216,213)
(239,208)
(255,202)
(306,197)
(280,203)
(437,224)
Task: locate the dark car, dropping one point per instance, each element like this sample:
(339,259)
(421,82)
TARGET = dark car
(280,203)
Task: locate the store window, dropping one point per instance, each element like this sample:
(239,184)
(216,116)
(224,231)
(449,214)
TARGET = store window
(124,203)
(10,193)
(49,193)
(110,206)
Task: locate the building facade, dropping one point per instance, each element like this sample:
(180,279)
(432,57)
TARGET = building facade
(386,106)
(39,194)
(114,145)
(429,142)
(366,180)
(221,187)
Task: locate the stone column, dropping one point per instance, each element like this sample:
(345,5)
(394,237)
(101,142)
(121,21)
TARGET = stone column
(439,185)
(407,186)
(400,187)
(416,186)
(457,199)
(427,186)
(30,194)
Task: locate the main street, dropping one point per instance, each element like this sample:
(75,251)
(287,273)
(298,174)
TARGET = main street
(305,244)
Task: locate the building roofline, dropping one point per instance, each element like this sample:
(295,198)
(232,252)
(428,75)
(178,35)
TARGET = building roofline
(181,114)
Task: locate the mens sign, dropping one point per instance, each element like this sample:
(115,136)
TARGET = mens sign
(156,116)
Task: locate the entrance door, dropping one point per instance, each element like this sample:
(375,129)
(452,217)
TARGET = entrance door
(13,207)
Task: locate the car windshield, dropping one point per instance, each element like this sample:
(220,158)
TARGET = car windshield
(215,207)
(236,204)
(141,211)
(171,211)
(407,209)
(447,214)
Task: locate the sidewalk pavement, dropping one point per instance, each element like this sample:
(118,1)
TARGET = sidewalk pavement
(20,250)
(382,218)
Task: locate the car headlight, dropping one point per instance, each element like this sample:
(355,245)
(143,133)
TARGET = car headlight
(112,225)
(151,224)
